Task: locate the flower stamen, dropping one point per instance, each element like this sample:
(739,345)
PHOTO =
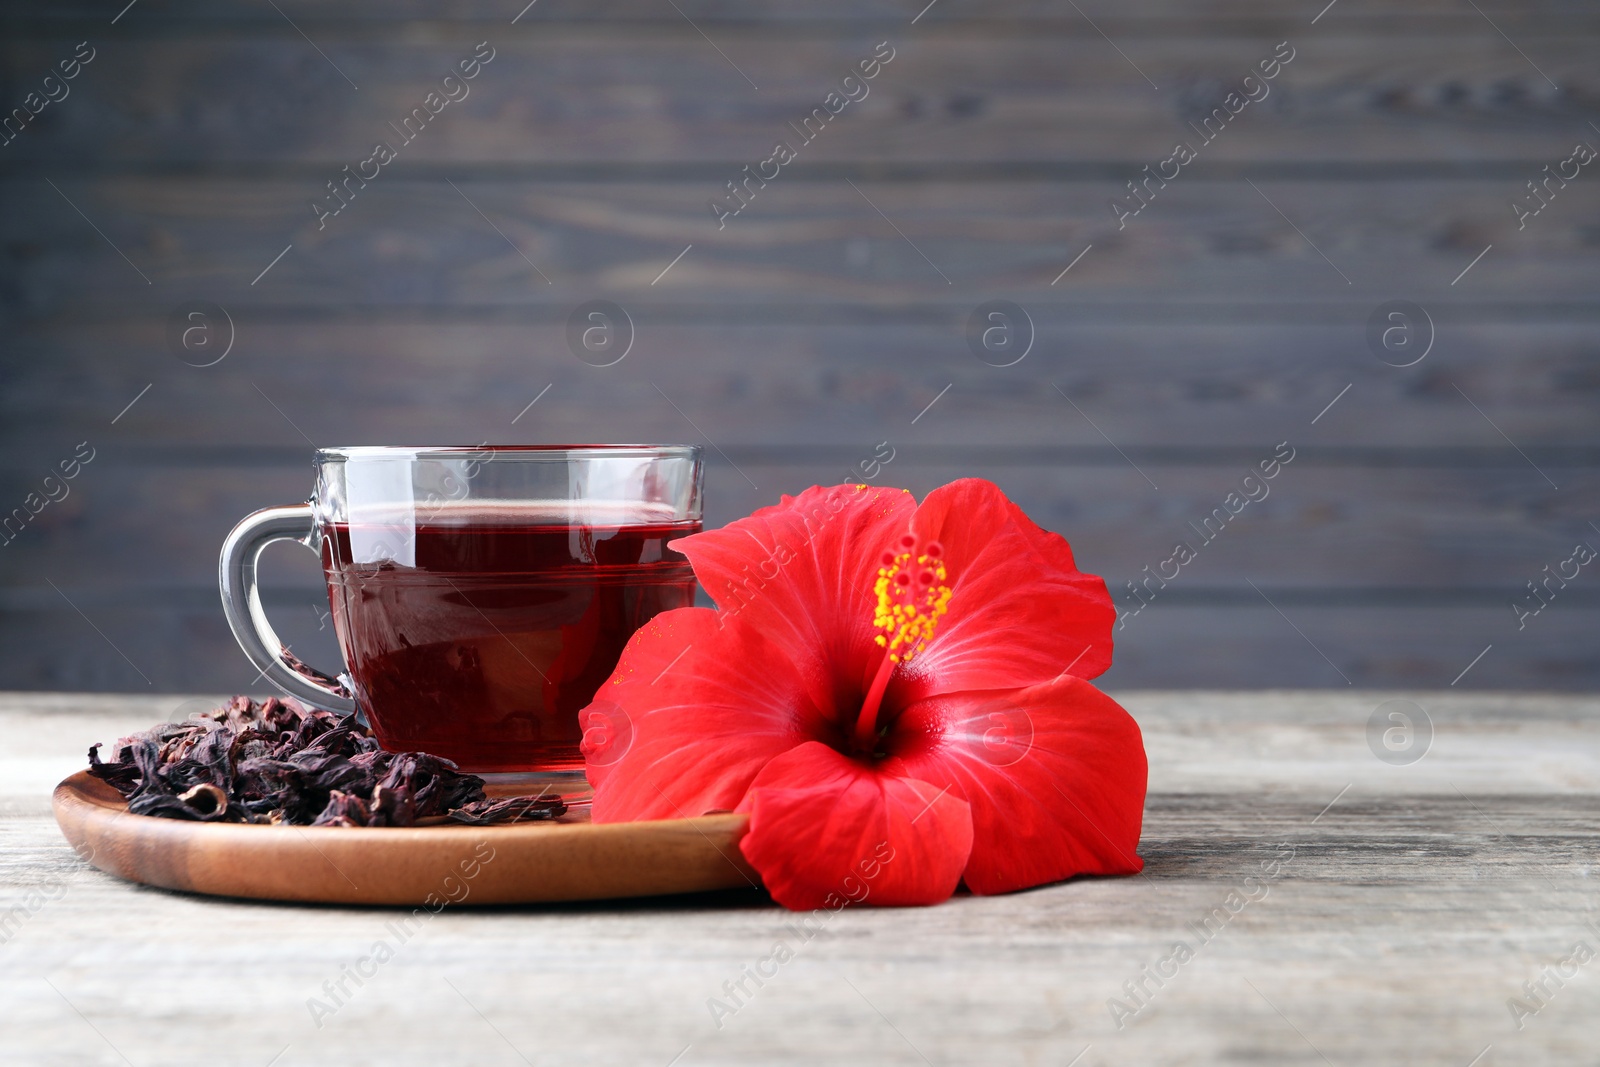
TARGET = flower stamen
(908,610)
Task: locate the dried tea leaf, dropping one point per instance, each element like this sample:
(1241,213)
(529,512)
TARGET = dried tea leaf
(511,809)
(281,763)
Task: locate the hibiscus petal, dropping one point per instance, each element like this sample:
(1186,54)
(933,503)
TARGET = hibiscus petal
(802,572)
(1055,775)
(826,830)
(1020,611)
(693,711)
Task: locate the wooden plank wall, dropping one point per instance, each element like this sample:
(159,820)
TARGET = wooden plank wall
(830,314)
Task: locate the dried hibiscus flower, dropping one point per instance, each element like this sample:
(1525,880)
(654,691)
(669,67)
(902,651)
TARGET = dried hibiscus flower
(277,762)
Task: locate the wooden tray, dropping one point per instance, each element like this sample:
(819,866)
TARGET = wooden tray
(570,859)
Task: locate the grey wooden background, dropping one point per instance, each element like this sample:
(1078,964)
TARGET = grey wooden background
(828,316)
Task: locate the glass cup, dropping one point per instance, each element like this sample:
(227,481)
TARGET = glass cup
(480,595)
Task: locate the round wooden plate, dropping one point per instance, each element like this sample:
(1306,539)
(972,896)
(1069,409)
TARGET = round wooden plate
(570,859)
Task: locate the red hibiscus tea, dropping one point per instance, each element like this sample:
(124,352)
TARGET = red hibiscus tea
(480,595)
(506,620)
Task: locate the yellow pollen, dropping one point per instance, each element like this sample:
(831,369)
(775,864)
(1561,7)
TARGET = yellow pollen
(908,614)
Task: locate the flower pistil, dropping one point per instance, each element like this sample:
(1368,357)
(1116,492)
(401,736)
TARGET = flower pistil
(912,594)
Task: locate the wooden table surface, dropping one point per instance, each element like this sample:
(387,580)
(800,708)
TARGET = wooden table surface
(1380,913)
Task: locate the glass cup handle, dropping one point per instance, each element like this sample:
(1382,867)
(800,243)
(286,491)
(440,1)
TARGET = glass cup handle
(241,602)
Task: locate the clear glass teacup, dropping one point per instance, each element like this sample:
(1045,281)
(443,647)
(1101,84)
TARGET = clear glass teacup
(480,595)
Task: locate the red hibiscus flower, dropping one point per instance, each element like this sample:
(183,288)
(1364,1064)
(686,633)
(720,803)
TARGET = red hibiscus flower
(895,695)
